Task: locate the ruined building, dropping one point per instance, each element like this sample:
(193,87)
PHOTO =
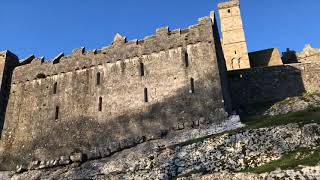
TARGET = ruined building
(132,91)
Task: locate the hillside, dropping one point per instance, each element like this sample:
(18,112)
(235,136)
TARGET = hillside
(290,142)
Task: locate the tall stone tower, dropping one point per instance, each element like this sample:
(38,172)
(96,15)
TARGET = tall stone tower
(233,37)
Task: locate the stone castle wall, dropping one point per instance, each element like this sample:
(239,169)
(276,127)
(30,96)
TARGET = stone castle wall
(264,86)
(309,54)
(140,88)
(263,58)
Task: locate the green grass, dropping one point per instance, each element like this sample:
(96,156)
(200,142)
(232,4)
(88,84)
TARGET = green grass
(312,115)
(302,156)
(291,160)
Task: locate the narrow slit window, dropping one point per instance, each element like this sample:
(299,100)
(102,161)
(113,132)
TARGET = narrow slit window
(57,113)
(100,104)
(192,86)
(146,99)
(235,52)
(186,59)
(141,69)
(55,88)
(98,78)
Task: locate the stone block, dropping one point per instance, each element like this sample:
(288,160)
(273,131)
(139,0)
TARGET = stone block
(162,31)
(78,51)
(104,152)
(42,165)
(139,140)
(202,121)
(34,165)
(180,126)
(77,157)
(93,154)
(188,124)
(196,123)
(21,168)
(64,160)
(114,147)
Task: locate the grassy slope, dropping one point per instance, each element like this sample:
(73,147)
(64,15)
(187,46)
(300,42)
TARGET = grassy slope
(302,156)
(311,115)
(303,117)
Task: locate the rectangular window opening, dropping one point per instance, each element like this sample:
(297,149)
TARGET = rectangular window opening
(55,87)
(192,86)
(146,95)
(57,113)
(186,59)
(229,10)
(141,69)
(100,104)
(98,78)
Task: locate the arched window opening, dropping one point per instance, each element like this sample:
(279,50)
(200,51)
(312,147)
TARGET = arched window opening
(141,69)
(146,99)
(100,104)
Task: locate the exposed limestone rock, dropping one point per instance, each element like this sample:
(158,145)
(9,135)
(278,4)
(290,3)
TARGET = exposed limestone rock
(295,104)
(4,175)
(164,159)
(303,173)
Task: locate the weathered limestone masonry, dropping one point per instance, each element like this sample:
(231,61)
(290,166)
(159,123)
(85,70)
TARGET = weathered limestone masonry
(262,87)
(234,41)
(140,88)
(309,54)
(264,58)
(8,62)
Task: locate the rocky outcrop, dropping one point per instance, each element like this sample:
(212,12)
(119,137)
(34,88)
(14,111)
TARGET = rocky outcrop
(295,104)
(302,173)
(166,159)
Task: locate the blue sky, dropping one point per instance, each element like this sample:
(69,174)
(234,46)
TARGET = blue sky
(48,27)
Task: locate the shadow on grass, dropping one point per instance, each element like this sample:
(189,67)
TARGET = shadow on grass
(311,115)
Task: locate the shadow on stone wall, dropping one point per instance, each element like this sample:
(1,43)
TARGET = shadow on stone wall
(289,57)
(10,65)
(261,58)
(84,133)
(255,90)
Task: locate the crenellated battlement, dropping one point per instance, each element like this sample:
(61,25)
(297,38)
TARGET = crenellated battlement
(229,4)
(119,50)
